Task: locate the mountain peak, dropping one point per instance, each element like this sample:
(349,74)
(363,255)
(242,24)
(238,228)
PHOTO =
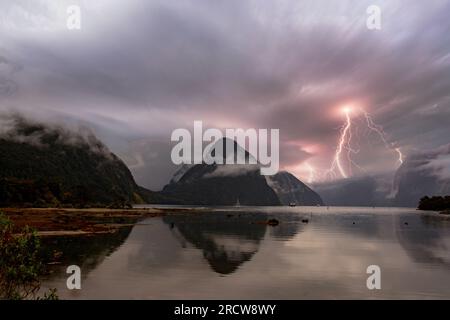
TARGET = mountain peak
(229,151)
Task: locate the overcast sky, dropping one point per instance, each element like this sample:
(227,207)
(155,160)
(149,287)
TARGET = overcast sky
(138,69)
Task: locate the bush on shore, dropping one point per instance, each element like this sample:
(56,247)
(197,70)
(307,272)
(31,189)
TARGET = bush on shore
(21,263)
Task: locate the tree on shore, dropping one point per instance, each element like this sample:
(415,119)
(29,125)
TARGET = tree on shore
(434,203)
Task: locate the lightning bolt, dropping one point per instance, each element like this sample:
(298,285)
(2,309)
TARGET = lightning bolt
(379,130)
(344,142)
(311,171)
(345,145)
(400,156)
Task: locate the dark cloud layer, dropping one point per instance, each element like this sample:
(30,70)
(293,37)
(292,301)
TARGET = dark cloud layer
(138,69)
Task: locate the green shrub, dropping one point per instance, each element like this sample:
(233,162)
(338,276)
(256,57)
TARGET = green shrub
(20,262)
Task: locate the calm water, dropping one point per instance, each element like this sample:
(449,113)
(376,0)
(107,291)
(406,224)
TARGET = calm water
(230,254)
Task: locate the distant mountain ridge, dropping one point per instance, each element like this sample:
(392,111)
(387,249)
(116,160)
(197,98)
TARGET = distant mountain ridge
(230,184)
(46,165)
(221,184)
(43,165)
(422,173)
(425,173)
(291,190)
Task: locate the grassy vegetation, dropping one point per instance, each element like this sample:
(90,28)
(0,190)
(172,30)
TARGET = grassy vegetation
(21,263)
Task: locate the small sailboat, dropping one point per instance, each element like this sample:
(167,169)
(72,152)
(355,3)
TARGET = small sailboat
(238,204)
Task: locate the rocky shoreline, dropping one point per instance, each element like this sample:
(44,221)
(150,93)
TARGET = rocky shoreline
(81,222)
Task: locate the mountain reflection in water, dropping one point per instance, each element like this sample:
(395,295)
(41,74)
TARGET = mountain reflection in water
(227,240)
(231,253)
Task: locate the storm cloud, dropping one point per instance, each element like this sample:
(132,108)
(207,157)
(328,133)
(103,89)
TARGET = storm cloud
(139,69)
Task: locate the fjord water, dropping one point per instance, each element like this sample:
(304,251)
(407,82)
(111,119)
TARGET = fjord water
(229,253)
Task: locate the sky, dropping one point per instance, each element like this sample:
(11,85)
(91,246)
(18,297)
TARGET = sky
(138,69)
